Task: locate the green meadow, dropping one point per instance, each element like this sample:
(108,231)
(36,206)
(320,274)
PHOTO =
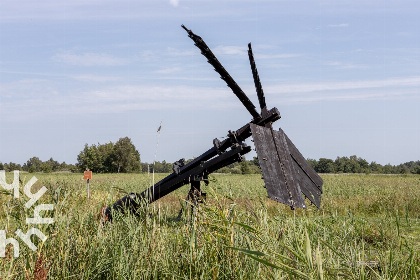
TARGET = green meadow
(368,227)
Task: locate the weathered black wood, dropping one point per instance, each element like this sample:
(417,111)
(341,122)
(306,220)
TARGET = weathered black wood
(173,182)
(176,180)
(286,172)
(224,75)
(257,82)
(161,189)
(288,169)
(304,165)
(277,166)
(241,134)
(309,181)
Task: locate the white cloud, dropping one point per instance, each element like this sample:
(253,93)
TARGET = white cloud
(174,3)
(95,78)
(344,66)
(89,59)
(274,56)
(40,98)
(347,85)
(175,52)
(341,25)
(168,70)
(243,51)
(230,50)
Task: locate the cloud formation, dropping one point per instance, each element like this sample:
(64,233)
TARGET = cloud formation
(168,70)
(89,59)
(174,3)
(29,98)
(341,25)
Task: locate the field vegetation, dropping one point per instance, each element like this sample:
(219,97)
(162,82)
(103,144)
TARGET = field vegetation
(367,228)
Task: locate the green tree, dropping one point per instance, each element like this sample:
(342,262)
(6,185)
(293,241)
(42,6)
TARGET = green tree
(51,165)
(255,161)
(325,165)
(46,167)
(11,166)
(34,164)
(244,165)
(127,158)
(388,169)
(364,165)
(376,167)
(104,158)
(89,158)
(107,156)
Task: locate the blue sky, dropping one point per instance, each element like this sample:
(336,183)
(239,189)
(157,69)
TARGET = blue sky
(345,75)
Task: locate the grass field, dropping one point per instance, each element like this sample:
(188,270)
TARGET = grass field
(367,228)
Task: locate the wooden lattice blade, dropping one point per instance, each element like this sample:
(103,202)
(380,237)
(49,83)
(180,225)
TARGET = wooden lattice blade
(277,166)
(309,181)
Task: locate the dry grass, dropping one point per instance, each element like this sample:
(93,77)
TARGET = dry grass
(368,228)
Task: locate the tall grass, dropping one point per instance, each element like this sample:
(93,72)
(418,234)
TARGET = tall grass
(368,228)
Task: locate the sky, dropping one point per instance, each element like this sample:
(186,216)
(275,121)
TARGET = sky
(345,76)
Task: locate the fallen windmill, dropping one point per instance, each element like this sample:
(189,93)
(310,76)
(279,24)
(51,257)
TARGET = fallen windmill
(286,173)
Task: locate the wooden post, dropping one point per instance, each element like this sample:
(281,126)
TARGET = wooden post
(88,194)
(87,175)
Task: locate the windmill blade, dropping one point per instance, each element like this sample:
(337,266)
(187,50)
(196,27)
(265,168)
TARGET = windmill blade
(257,82)
(224,75)
(277,166)
(286,172)
(309,181)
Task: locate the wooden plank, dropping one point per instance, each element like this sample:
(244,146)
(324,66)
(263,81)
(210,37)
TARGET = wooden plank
(277,167)
(289,170)
(298,157)
(310,182)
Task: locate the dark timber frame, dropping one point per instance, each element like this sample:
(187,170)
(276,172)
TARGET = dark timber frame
(285,171)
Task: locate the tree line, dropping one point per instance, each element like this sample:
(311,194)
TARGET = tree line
(110,158)
(34,164)
(354,164)
(123,157)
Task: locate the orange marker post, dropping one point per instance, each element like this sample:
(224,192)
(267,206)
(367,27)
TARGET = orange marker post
(87,175)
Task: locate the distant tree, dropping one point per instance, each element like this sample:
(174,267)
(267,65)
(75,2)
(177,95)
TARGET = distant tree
(1,166)
(66,167)
(11,166)
(119,157)
(159,167)
(107,157)
(50,165)
(34,164)
(145,167)
(388,169)
(375,167)
(127,158)
(325,165)
(235,170)
(166,167)
(364,165)
(89,158)
(244,166)
(255,161)
(413,166)
(340,163)
(355,166)
(46,167)
(403,169)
